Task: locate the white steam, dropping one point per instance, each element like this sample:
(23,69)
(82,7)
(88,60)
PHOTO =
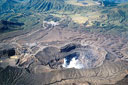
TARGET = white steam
(74,63)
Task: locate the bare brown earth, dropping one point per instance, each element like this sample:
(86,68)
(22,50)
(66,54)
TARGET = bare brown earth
(39,55)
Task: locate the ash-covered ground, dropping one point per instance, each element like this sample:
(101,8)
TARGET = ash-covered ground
(62,56)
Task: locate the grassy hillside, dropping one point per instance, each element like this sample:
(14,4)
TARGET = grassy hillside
(70,13)
(116,21)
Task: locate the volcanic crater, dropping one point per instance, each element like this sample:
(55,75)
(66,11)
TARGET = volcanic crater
(65,56)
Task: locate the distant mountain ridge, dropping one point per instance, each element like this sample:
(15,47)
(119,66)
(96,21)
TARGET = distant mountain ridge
(41,5)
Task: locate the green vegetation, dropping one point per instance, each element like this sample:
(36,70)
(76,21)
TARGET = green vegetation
(94,18)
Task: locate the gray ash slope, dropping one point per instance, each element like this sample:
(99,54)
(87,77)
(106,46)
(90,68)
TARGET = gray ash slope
(21,76)
(40,58)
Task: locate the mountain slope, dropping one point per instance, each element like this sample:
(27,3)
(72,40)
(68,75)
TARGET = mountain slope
(45,5)
(39,5)
(10,5)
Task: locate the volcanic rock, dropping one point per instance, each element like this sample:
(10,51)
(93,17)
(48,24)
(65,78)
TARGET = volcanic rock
(100,56)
